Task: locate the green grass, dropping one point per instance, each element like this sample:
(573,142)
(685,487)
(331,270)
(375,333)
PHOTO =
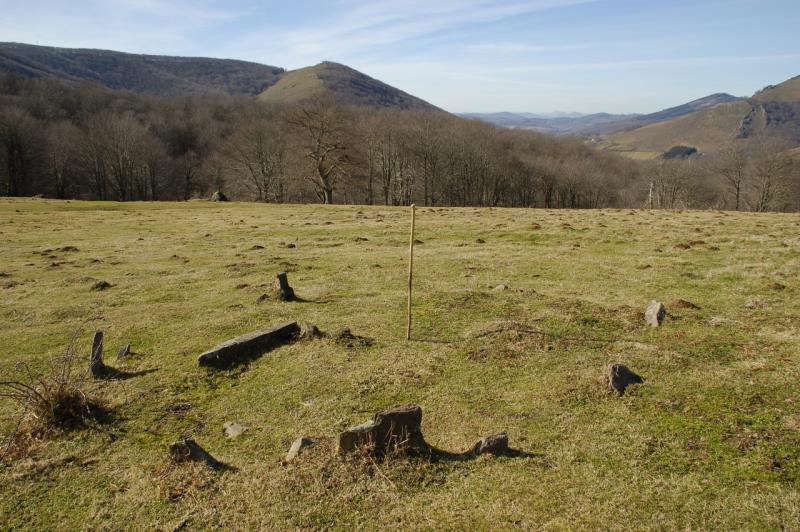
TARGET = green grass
(709,441)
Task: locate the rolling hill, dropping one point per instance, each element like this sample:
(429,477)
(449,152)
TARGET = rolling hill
(153,74)
(346,85)
(773,112)
(169,76)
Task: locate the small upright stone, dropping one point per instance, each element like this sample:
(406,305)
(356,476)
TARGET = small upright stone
(96,365)
(124,351)
(297,446)
(620,377)
(655,313)
(286,291)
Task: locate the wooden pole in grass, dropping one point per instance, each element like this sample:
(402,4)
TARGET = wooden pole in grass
(410,272)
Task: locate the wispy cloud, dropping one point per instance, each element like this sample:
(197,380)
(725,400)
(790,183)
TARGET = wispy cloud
(518,48)
(358,27)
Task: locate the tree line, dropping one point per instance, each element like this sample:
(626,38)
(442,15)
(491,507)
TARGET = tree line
(85,141)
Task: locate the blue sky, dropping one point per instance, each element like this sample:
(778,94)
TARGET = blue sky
(462,55)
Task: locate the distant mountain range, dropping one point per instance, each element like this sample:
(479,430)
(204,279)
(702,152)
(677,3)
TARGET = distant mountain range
(707,124)
(597,123)
(169,76)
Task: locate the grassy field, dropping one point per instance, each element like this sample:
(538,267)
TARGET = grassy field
(710,440)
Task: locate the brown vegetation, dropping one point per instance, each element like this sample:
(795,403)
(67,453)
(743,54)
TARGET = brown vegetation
(67,141)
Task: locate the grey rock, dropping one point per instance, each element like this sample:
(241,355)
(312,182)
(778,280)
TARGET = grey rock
(309,331)
(233,429)
(655,313)
(494,444)
(620,377)
(500,287)
(219,196)
(297,447)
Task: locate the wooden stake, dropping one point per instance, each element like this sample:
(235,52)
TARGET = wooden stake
(410,272)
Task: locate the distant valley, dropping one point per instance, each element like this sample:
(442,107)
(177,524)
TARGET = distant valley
(707,124)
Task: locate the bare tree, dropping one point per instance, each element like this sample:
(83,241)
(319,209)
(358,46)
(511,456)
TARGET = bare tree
(19,143)
(257,152)
(62,154)
(771,169)
(323,126)
(733,167)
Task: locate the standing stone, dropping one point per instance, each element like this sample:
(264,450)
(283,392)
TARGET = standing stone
(297,446)
(397,429)
(286,291)
(655,313)
(96,365)
(124,351)
(620,377)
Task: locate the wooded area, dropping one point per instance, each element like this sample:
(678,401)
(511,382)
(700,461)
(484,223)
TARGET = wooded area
(84,141)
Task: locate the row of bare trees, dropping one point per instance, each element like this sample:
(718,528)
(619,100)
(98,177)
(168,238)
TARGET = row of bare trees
(757,175)
(89,142)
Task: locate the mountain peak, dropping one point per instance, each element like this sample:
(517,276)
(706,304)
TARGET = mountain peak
(347,85)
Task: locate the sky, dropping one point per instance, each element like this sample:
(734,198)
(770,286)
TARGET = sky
(617,56)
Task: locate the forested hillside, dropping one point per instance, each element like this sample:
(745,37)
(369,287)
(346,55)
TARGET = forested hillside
(66,140)
(153,74)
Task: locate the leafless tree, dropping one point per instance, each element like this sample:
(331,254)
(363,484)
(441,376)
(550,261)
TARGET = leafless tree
(323,127)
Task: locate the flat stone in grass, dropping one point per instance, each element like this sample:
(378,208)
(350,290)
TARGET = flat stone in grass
(248,346)
(494,444)
(187,450)
(620,377)
(309,331)
(682,303)
(655,313)
(233,429)
(99,286)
